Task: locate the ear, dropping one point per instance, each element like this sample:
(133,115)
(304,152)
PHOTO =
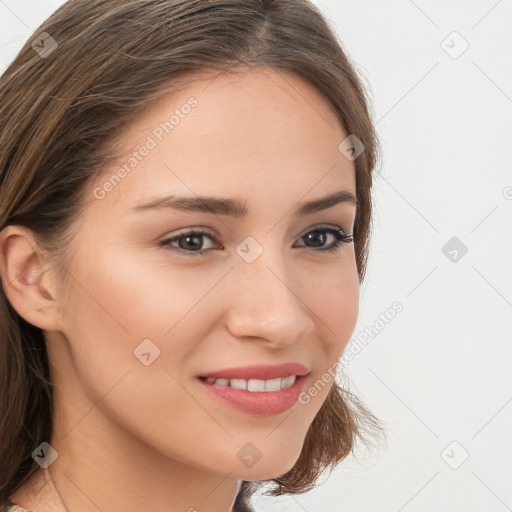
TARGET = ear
(27,285)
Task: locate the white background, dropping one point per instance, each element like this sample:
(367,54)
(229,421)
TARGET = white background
(440,371)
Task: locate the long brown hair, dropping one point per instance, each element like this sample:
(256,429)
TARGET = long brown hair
(85,72)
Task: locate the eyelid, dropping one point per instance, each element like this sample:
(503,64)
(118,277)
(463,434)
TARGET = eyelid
(322,226)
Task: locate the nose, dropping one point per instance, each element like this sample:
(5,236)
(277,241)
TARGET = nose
(266,302)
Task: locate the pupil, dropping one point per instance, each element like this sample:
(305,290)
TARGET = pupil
(192,237)
(314,234)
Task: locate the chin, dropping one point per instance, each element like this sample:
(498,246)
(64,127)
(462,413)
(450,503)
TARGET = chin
(272,466)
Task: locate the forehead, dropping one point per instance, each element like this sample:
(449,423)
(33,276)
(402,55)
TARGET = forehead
(229,134)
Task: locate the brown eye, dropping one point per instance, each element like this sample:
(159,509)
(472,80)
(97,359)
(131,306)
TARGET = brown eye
(318,237)
(188,242)
(191,242)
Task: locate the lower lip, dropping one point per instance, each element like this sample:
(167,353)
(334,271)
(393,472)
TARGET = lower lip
(264,403)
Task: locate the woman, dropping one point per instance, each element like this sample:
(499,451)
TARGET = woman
(185,210)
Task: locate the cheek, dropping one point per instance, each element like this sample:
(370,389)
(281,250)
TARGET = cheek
(115,303)
(334,304)
(132,295)
(119,299)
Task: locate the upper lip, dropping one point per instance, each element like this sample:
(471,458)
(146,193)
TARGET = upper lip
(261,371)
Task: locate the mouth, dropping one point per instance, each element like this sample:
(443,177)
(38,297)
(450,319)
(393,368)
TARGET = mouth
(256,397)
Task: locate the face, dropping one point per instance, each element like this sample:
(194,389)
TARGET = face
(150,308)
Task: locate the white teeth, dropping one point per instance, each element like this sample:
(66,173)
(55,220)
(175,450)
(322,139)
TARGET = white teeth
(255,385)
(288,381)
(238,383)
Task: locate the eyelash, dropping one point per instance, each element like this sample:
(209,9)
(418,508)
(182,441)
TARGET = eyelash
(339,234)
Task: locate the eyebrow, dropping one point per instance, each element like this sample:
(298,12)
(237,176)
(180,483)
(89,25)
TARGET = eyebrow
(237,208)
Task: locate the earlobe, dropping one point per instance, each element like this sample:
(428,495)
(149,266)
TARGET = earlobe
(25,283)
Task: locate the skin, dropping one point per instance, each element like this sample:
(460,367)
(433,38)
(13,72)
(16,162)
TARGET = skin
(132,437)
